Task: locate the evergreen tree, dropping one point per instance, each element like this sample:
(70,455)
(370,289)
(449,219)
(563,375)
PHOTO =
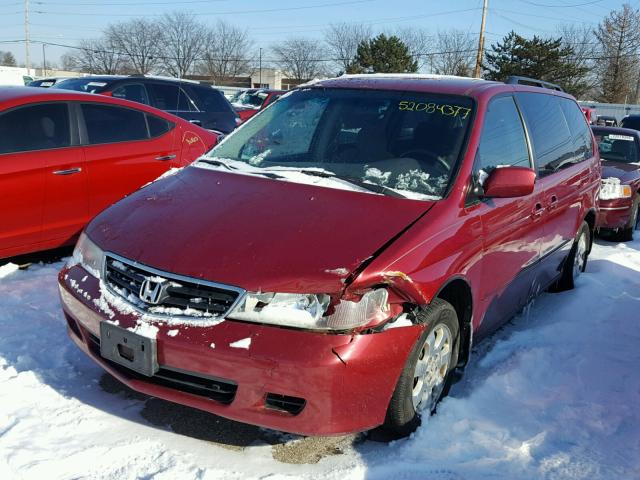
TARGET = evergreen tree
(383,54)
(541,58)
(7,59)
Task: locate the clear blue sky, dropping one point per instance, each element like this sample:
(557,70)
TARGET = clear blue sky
(67,21)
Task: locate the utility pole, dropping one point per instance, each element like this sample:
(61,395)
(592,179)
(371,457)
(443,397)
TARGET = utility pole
(476,71)
(44,60)
(26,36)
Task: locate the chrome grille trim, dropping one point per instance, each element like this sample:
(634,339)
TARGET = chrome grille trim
(185,282)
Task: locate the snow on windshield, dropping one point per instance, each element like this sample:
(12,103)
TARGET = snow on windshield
(407,142)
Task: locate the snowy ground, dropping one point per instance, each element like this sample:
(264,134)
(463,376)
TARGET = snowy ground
(555,394)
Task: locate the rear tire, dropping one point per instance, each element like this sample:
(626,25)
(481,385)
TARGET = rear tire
(427,376)
(576,262)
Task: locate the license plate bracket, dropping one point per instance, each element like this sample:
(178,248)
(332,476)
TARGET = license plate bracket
(128,349)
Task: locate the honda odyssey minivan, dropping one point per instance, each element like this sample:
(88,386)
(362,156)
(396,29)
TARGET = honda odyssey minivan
(327,267)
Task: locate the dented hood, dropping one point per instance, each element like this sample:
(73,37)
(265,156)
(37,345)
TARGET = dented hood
(253,232)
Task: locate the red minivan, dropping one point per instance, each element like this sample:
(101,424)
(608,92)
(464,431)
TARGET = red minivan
(328,266)
(65,156)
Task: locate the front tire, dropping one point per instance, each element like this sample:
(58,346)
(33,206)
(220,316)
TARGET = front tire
(426,377)
(576,262)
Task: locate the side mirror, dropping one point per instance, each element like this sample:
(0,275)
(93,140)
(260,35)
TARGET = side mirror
(509,182)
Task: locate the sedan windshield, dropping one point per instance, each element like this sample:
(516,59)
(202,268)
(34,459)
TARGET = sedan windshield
(253,99)
(402,143)
(617,148)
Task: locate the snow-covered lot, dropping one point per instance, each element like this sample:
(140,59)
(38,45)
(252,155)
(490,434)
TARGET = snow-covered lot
(555,394)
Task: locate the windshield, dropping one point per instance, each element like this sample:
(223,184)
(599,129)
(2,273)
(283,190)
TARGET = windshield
(251,99)
(617,147)
(405,142)
(81,85)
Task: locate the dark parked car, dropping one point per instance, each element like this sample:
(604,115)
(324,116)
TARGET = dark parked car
(606,121)
(328,266)
(197,103)
(47,82)
(620,191)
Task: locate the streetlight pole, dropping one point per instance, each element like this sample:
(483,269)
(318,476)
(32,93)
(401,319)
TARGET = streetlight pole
(260,61)
(476,71)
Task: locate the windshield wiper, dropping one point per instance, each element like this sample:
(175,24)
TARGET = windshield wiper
(220,163)
(372,187)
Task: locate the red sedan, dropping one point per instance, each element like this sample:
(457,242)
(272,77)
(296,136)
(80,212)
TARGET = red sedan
(65,156)
(252,101)
(620,192)
(330,265)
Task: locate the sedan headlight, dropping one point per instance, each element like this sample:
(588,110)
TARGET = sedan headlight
(612,189)
(309,310)
(88,255)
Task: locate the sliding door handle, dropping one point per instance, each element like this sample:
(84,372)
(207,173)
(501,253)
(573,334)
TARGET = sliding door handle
(164,158)
(69,171)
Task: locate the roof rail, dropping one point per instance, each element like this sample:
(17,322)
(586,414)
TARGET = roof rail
(532,82)
(160,77)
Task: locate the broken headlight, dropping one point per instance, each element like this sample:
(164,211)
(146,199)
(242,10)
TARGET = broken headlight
(309,310)
(88,255)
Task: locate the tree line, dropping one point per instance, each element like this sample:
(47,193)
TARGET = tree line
(601,63)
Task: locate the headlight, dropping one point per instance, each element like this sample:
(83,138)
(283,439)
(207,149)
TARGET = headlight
(611,189)
(308,310)
(88,255)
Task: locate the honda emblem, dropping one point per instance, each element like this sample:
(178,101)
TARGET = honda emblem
(152,292)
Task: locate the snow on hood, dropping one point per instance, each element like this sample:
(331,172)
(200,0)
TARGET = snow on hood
(256,233)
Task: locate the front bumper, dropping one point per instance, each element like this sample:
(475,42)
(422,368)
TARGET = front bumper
(346,380)
(614,214)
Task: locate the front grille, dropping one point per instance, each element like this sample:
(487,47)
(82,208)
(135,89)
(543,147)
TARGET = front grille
(218,389)
(176,295)
(285,403)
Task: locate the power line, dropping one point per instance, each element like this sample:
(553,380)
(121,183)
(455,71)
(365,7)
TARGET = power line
(237,12)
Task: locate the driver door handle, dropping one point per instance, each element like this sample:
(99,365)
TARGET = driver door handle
(164,158)
(69,171)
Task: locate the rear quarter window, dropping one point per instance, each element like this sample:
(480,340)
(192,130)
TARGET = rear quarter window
(553,145)
(580,131)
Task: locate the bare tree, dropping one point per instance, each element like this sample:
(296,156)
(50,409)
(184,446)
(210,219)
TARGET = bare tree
(97,56)
(342,40)
(140,41)
(69,61)
(455,53)
(300,58)
(580,38)
(419,42)
(183,42)
(617,69)
(226,52)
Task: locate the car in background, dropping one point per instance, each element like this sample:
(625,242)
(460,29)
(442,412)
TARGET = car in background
(620,193)
(631,121)
(327,266)
(250,102)
(589,113)
(65,156)
(46,82)
(198,103)
(606,121)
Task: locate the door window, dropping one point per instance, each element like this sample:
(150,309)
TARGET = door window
(209,99)
(553,145)
(111,124)
(580,131)
(165,96)
(35,127)
(134,92)
(503,142)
